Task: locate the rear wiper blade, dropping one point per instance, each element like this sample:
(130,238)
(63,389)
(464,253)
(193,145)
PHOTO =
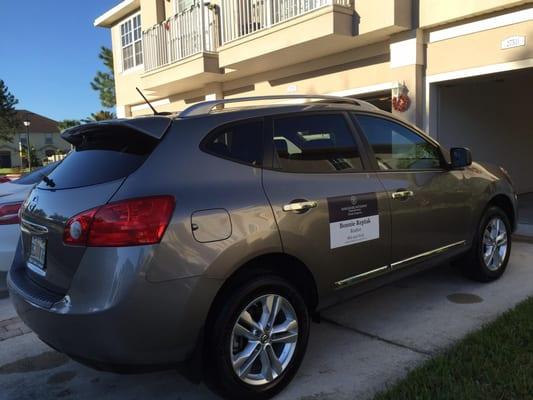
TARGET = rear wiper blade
(49,182)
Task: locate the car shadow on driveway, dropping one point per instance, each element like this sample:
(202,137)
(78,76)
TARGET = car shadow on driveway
(361,345)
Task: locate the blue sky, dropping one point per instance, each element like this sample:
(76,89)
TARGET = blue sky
(49,54)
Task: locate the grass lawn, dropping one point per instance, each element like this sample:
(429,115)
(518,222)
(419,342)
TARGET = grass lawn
(495,362)
(5,171)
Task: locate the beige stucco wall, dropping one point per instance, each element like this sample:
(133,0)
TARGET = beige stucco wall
(436,12)
(376,15)
(363,67)
(152,12)
(177,102)
(351,69)
(479,49)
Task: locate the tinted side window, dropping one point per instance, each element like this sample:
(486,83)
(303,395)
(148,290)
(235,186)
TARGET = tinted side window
(240,142)
(316,143)
(397,147)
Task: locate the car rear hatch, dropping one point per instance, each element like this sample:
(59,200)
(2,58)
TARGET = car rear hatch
(104,154)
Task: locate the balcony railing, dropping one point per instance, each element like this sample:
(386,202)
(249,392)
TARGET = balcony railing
(190,32)
(243,17)
(198,29)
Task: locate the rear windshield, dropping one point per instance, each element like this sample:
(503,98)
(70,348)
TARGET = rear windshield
(102,156)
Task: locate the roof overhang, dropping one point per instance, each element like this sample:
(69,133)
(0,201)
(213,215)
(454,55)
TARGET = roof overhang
(121,10)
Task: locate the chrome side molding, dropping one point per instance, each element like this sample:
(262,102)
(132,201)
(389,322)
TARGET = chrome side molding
(398,264)
(394,266)
(357,278)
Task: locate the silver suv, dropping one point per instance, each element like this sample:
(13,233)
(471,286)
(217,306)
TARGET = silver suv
(214,236)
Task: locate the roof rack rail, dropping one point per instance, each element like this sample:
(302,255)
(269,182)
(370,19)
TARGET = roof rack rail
(205,107)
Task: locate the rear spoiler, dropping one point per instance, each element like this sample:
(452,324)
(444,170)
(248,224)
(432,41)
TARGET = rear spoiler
(154,126)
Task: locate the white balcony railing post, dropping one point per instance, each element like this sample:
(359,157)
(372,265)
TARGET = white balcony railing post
(202,24)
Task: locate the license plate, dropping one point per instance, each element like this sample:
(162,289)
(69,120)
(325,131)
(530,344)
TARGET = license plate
(38,252)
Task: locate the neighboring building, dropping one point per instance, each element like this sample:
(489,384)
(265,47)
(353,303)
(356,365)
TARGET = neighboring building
(45,138)
(465,65)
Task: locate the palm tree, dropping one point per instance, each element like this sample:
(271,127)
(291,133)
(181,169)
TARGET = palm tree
(67,123)
(101,115)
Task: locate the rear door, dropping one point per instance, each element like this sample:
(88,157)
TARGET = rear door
(429,202)
(331,212)
(103,157)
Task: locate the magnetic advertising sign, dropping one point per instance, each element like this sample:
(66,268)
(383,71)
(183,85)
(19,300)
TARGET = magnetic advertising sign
(353,219)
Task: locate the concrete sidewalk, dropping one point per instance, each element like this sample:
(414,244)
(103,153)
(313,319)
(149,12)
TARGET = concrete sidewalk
(361,346)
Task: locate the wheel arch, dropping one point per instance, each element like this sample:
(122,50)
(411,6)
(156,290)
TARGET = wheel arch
(503,202)
(284,265)
(281,264)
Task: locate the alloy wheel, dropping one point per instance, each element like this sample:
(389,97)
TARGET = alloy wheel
(263,340)
(494,244)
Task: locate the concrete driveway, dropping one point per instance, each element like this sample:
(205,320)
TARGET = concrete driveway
(362,345)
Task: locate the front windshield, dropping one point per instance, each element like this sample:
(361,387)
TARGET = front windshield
(36,175)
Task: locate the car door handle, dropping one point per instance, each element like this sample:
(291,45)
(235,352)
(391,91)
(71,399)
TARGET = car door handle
(402,194)
(300,206)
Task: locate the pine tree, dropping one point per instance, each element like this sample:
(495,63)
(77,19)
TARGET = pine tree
(104,82)
(8,115)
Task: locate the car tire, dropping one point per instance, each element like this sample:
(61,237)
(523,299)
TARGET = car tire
(489,255)
(258,376)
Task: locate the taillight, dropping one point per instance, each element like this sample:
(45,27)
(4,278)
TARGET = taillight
(9,213)
(77,228)
(123,223)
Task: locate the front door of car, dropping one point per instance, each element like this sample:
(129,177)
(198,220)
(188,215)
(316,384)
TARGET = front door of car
(429,202)
(332,213)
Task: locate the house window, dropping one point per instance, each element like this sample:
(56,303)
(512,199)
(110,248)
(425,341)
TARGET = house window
(131,39)
(48,139)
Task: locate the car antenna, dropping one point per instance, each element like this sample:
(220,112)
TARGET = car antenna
(147,102)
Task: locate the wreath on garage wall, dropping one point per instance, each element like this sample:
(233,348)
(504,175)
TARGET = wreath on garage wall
(401,100)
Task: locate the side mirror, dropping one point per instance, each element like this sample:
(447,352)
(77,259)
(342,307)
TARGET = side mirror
(461,157)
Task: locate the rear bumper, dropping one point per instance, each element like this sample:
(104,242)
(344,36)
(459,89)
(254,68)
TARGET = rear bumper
(112,315)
